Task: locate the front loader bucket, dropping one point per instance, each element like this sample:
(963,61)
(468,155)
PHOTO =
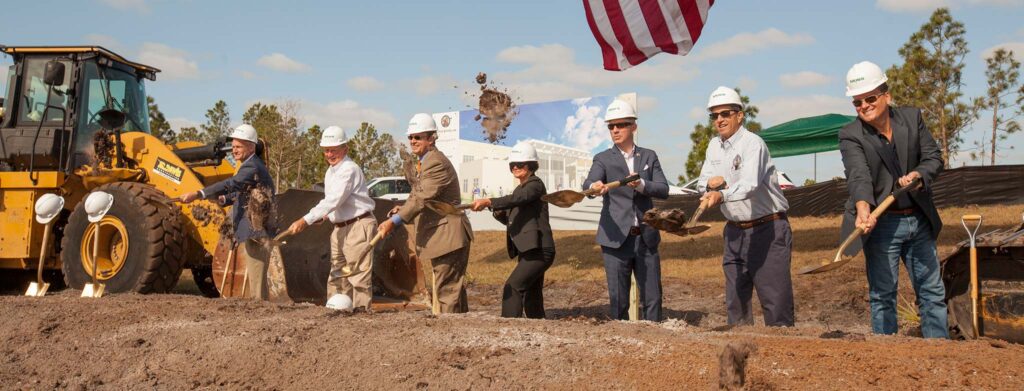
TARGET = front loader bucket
(1001,286)
(397,277)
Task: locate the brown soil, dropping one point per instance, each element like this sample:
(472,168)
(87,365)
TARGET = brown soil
(103,149)
(497,110)
(182,340)
(261,208)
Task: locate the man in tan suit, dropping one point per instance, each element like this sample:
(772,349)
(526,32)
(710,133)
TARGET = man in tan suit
(444,240)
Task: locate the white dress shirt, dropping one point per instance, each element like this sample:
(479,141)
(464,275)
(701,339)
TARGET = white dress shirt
(630,157)
(345,194)
(752,183)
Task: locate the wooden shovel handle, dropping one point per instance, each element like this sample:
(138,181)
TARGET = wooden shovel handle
(614,184)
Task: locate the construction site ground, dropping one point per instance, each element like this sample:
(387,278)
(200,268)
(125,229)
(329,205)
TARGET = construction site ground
(184,341)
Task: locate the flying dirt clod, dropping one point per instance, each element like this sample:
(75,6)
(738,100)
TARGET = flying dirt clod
(497,109)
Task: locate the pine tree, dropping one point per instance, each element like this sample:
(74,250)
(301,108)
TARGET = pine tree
(158,125)
(1004,97)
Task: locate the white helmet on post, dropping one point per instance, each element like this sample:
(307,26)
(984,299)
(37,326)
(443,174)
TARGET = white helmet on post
(522,152)
(421,123)
(244,132)
(724,96)
(97,205)
(333,136)
(619,109)
(48,207)
(340,301)
(863,77)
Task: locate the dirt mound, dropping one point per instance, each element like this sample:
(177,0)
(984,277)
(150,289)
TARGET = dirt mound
(497,110)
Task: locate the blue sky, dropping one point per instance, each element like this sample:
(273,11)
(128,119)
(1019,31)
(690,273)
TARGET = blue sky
(345,62)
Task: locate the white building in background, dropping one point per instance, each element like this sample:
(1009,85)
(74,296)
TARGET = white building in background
(484,166)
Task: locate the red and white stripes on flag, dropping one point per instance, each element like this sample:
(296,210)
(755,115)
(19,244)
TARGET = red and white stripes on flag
(631,31)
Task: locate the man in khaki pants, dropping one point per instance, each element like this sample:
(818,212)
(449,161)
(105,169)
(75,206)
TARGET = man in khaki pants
(444,240)
(348,206)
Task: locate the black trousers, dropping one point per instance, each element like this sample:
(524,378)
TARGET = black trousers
(634,257)
(523,289)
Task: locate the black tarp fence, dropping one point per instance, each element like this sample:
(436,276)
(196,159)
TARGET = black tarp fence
(955,187)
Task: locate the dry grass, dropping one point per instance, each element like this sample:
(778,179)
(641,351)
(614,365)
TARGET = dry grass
(698,258)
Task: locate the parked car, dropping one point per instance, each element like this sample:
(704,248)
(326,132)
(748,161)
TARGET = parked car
(691,187)
(393,188)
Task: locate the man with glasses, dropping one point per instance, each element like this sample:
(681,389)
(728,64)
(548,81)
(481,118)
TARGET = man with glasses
(627,245)
(443,240)
(758,238)
(886,148)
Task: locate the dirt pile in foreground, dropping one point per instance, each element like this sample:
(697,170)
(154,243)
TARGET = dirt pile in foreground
(187,342)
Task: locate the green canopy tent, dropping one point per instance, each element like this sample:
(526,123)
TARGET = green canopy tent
(805,135)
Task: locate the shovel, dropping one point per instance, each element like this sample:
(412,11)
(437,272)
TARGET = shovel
(691,227)
(94,289)
(976,219)
(567,198)
(38,288)
(444,208)
(841,259)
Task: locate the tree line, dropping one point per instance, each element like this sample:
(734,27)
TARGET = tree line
(293,155)
(931,79)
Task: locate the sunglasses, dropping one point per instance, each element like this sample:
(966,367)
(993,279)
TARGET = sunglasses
(417,137)
(724,114)
(620,125)
(517,165)
(869,100)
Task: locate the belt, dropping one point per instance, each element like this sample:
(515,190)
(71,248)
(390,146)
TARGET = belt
(352,220)
(904,212)
(635,230)
(758,221)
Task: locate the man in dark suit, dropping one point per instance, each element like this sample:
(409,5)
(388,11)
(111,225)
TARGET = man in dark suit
(252,175)
(885,148)
(627,245)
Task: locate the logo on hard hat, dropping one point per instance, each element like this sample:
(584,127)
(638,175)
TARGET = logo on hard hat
(856,80)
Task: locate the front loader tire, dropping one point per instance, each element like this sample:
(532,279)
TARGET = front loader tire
(141,242)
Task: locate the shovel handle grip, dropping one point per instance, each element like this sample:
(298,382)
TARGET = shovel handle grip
(614,184)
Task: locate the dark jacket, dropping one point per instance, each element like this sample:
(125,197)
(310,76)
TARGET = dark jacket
(868,176)
(253,172)
(622,205)
(527,219)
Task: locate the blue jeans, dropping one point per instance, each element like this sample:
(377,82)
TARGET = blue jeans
(907,237)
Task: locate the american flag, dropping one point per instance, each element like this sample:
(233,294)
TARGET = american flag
(631,31)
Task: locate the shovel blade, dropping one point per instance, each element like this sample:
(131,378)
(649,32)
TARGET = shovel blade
(696,229)
(824,267)
(93,290)
(563,198)
(37,289)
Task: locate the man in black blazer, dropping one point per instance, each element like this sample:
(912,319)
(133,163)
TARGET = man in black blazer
(627,245)
(885,148)
(251,175)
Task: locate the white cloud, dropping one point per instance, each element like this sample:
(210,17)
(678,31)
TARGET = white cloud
(429,85)
(556,62)
(281,63)
(345,113)
(646,104)
(106,41)
(585,129)
(174,63)
(803,79)
(746,84)
(128,5)
(180,122)
(1016,47)
(747,43)
(544,91)
(924,6)
(698,113)
(364,84)
(776,110)
(247,75)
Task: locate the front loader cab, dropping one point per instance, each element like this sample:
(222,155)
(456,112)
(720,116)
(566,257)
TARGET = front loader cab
(51,126)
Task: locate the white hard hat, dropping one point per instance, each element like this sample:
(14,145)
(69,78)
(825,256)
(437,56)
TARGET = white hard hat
(97,205)
(724,96)
(48,206)
(340,301)
(619,109)
(244,132)
(333,136)
(420,123)
(523,152)
(863,77)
